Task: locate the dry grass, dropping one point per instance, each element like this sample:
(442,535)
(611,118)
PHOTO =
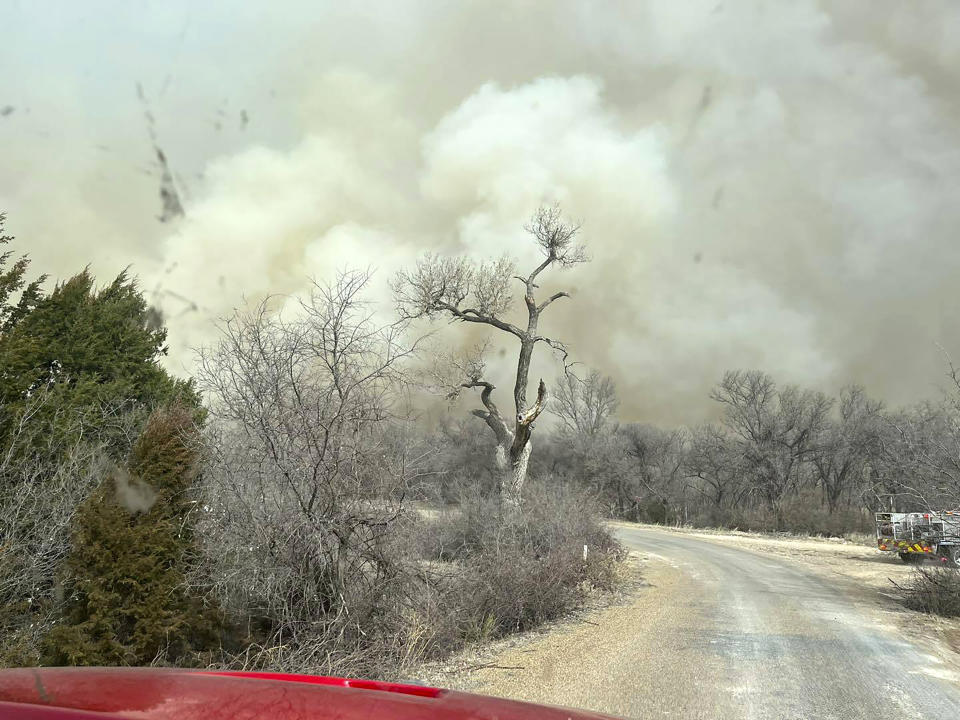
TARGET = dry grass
(934,590)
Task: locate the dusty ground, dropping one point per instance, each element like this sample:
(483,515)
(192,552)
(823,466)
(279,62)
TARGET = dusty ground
(733,625)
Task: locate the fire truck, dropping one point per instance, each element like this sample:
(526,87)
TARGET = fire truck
(915,536)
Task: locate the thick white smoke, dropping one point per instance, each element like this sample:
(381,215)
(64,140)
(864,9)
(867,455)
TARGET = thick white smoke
(762,184)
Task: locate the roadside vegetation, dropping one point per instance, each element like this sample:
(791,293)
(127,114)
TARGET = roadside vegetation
(268,513)
(933,589)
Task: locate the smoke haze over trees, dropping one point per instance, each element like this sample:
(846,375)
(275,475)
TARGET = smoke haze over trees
(768,188)
(781,458)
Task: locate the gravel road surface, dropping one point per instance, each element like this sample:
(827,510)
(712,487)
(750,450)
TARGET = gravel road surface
(724,632)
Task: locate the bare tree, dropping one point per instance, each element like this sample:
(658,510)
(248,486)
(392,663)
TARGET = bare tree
(468,292)
(585,406)
(658,457)
(775,429)
(949,447)
(920,457)
(714,461)
(844,446)
(305,483)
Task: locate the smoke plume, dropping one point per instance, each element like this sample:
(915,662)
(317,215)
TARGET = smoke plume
(761,184)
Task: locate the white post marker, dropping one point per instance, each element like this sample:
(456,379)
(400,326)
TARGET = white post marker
(584,553)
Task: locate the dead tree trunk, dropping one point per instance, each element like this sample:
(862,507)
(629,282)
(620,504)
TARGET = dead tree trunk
(518,452)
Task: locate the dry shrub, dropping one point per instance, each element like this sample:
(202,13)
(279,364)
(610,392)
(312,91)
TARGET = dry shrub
(343,597)
(519,571)
(934,590)
(303,533)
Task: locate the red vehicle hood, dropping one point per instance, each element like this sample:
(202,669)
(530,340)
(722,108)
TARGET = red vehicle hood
(174,694)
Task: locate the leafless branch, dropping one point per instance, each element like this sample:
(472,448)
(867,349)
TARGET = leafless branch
(556,239)
(305,477)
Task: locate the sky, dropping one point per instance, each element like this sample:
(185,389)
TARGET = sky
(760,184)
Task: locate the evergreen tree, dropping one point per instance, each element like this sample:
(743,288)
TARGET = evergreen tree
(12,281)
(127,603)
(94,348)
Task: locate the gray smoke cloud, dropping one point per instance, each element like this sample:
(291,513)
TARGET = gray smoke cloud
(762,184)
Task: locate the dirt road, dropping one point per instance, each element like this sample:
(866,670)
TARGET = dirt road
(724,631)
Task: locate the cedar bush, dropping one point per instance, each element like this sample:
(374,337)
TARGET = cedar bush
(127,602)
(93,348)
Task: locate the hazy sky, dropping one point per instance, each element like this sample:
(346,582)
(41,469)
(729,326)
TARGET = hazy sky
(761,184)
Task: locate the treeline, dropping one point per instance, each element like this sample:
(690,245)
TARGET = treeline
(781,458)
(257,515)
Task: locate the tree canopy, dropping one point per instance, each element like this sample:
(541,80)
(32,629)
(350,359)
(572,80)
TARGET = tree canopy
(93,348)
